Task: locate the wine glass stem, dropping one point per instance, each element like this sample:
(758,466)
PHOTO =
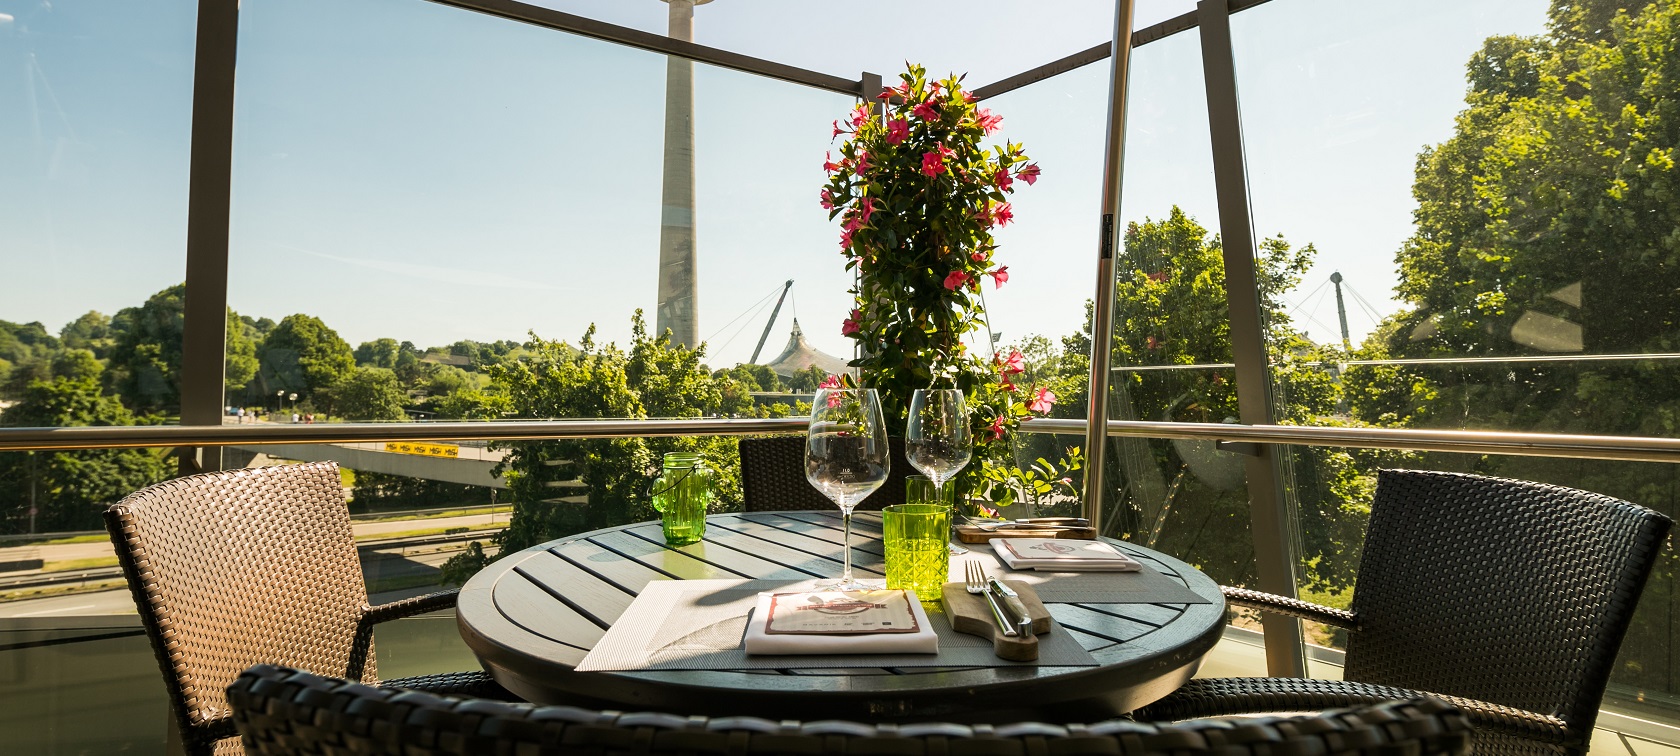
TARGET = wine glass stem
(846,545)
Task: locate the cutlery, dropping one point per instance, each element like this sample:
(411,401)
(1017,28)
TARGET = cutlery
(1034,522)
(974,581)
(1011,599)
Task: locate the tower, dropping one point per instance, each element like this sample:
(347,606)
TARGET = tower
(678,280)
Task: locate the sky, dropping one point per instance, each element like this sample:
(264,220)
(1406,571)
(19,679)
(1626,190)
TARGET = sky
(415,171)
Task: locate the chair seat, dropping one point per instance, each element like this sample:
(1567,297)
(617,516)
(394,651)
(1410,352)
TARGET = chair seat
(1499,729)
(458,684)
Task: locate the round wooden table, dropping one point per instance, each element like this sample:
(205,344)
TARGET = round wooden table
(531,616)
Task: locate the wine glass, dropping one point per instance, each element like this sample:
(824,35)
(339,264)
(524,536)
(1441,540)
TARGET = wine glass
(846,458)
(938,442)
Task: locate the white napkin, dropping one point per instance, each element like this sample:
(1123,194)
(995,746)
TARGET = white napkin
(758,642)
(1062,555)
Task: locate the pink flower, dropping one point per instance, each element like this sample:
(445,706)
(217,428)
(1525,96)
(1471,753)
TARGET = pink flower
(1067,481)
(926,110)
(832,381)
(897,130)
(834,401)
(996,428)
(1042,401)
(969,96)
(956,279)
(978,257)
(846,239)
(859,115)
(999,276)
(1014,363)
(850,326)
(1005,384)
(827,199)
(866,208)
(1029,174)
(853,222)
(932,164)
(886,93)
(946,151)
(862,161)
(837,130)
(829,164)
(1003,180)
(1003,214)
(989,121)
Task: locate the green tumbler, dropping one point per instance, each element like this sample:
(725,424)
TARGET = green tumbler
(681,495)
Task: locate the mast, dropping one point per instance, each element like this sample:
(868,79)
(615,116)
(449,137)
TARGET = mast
(767,326)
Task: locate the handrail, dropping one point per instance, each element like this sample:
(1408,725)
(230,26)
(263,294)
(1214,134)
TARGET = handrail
(1618,448)
(137,436)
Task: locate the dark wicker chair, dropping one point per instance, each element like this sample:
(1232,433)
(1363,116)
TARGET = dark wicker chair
(236,568)
(283,711)
(773,477)
(1507,598)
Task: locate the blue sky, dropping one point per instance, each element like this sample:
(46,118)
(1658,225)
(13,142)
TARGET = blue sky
(409,170)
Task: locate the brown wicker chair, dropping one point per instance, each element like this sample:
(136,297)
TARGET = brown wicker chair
(773,477)
(283,711)
(1507,598)
(236,568)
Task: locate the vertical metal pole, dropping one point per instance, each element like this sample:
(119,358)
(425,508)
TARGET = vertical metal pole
(1102,307)
(869,85)
(204,330)
(1270,523)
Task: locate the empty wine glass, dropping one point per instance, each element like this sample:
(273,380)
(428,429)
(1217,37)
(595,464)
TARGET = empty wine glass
(938,442)
(846,458)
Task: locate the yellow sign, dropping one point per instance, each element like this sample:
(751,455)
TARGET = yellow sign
(423,449)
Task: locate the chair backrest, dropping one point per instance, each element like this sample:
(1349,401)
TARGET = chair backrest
(283,711)
(1506,591)
(773,477)
(231,569)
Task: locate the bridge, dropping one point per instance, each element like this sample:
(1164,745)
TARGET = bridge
(468,464)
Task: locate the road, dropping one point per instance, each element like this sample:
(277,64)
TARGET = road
(379,565)
(64,552)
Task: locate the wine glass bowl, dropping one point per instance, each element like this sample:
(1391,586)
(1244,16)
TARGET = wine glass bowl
(846,457)
(937,441)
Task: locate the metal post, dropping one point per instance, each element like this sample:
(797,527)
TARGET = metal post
(1102,307)
(1270,522)
(204,330)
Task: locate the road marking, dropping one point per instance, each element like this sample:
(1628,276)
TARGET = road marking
(54,611)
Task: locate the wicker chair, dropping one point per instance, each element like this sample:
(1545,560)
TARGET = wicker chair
(283,711)
(1507,598)
(236,568)
(773,477)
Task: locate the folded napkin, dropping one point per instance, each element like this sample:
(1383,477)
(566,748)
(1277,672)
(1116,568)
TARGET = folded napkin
(759,641)
(1062,555)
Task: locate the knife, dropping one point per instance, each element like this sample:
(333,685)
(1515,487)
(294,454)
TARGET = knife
(1022,620)
(1003,620)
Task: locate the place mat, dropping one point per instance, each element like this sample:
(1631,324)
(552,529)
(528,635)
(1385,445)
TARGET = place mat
(1145,586)
(698,624)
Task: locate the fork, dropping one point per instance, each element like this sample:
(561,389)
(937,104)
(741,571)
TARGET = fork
(974,581)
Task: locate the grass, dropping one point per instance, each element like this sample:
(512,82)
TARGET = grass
(427,532)
(79,564)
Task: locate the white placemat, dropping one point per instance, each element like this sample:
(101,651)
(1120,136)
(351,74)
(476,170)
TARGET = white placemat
(1145,586)
(699,624)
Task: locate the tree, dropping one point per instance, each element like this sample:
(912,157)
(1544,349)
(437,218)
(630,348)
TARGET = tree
(303,355)
(69,489)
(91,331)
(145,362)
(379,353)
(369,394)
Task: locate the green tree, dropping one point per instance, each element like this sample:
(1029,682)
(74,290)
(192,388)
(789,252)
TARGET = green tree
(145,361)
(303,355)
(91,331)
(69,489)
(369,394)
(380,353)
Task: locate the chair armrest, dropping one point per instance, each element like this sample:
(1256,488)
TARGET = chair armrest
(409,607)
(1292,607)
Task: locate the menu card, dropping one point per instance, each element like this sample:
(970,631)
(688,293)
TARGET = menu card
(1062,555)
(833,622)
(841,613)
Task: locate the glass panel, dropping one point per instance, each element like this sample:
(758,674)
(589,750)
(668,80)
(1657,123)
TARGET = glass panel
(1172,348)
(95,113)
(1335,486)
(390,251)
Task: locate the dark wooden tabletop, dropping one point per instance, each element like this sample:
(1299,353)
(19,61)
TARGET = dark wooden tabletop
(531,616)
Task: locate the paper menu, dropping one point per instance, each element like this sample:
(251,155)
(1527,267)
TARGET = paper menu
(841,613)
(1062,554)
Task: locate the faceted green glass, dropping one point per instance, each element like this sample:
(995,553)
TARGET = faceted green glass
(917,538)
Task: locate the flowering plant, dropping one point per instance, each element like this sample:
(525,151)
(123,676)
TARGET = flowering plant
(918,195)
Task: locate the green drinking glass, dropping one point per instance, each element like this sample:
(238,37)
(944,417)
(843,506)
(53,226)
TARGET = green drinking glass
(917,537)
(681,495)
(920,489)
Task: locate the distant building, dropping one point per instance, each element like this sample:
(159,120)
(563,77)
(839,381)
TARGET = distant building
(800,355)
